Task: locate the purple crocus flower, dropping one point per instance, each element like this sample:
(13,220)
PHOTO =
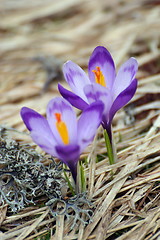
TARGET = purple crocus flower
(61,135)
(103,84)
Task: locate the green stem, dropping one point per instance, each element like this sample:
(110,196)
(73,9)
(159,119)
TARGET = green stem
(69,184)
(109,147)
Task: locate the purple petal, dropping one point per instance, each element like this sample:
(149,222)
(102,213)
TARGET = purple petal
(75,100)
(123,98)
(103,59)
(88,123)
(68,116)
(95,92)
(46,142)
(70,156)
(33,120)
(76,78)
(125,76)
(40,130)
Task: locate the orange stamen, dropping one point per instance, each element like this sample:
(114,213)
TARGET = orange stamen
(58,117)
(99,77)
(62,128)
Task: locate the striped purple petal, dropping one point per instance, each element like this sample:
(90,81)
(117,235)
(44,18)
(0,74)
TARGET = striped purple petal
(39,128)
(95,92)
(88,123)
(76,78)
(72,98)
(103,59)
(67,116)
(125,76)
(123,98)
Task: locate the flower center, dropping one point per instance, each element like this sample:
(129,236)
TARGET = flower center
(62,128)
(99,77)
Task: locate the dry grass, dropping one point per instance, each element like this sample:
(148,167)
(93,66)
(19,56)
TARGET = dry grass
(128,206)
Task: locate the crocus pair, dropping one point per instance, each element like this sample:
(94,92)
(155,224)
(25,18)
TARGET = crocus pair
(100,96)
(61,135)
(102,84)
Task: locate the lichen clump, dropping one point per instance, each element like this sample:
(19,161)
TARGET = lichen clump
(23,176)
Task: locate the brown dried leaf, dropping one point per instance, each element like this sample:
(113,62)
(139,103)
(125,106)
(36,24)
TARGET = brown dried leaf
(3,212)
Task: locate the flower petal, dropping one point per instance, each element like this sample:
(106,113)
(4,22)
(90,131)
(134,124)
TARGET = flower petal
(33,120)
(68,116)
(70,156)
(40,130)
(76,78)
(88,123)
(125,76)
(95,92)
(103,59)
(47,143)
(75,100)
(123,98)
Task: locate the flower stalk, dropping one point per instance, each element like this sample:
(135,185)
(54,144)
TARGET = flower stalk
(109,148)
(69,183)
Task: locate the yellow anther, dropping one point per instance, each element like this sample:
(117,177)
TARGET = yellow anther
(62,128)
(99,77)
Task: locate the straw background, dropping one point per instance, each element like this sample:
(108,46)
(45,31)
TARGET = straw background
(36,38)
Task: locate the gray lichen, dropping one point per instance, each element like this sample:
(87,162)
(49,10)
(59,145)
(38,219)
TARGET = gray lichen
(23,177)
(78,208)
